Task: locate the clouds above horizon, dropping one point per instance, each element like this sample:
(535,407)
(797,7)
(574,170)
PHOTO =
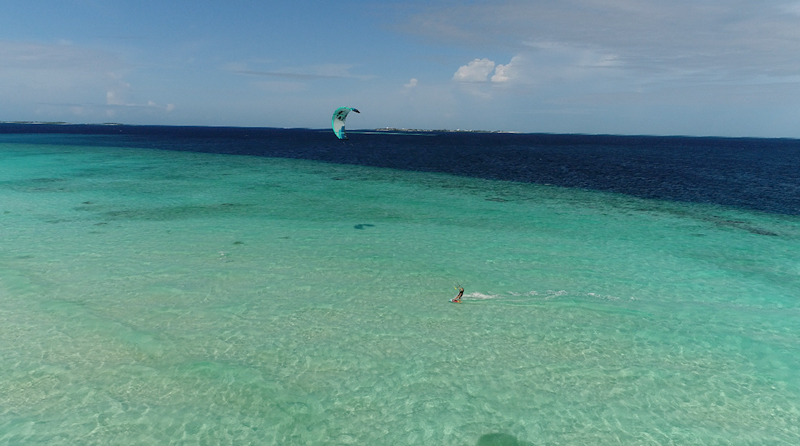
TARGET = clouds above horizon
(479,70)
(84,82)
(694,68)
(744,38)
(608,66)
(476,71)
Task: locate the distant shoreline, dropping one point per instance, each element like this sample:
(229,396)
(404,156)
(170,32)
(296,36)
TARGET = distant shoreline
(382,129)
(404,130)
(5,126)
(56,123)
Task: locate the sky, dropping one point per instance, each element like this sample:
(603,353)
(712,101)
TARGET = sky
(656,67)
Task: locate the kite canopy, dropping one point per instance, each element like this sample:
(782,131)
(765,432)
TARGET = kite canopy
(337,122)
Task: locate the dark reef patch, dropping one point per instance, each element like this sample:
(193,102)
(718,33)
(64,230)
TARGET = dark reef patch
(165,213)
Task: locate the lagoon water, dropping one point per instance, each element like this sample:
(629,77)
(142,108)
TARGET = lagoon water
(154,294)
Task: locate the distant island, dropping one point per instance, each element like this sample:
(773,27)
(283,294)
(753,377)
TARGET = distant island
(36,122)
(382,129)
(55,123)
(394,129)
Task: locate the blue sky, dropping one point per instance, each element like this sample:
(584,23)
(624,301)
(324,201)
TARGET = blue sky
(665,67)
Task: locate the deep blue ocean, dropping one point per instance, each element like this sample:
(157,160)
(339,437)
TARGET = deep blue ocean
(195,285)
(750,173)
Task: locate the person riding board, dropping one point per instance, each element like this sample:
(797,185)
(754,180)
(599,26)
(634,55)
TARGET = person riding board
(457,299)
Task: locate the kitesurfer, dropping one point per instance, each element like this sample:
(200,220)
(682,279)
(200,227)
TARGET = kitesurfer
(457,299)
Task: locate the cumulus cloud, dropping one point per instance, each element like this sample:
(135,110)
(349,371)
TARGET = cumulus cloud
(411,84)
(476,71)
(479,70)
(502,73)
(744,38)
(505,73)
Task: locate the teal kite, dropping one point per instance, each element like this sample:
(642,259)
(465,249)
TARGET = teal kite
(337,122)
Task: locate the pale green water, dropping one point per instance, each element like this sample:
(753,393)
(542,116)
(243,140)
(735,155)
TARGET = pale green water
(152,297)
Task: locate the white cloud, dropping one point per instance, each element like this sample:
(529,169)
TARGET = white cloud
(476,71)
(740,38)
(507,72)
(502,73)
(479,70)
(411,84)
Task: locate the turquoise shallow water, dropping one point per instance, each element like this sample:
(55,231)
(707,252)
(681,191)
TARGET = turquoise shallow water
(155,297)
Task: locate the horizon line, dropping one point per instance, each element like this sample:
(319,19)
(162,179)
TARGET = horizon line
(386,130)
